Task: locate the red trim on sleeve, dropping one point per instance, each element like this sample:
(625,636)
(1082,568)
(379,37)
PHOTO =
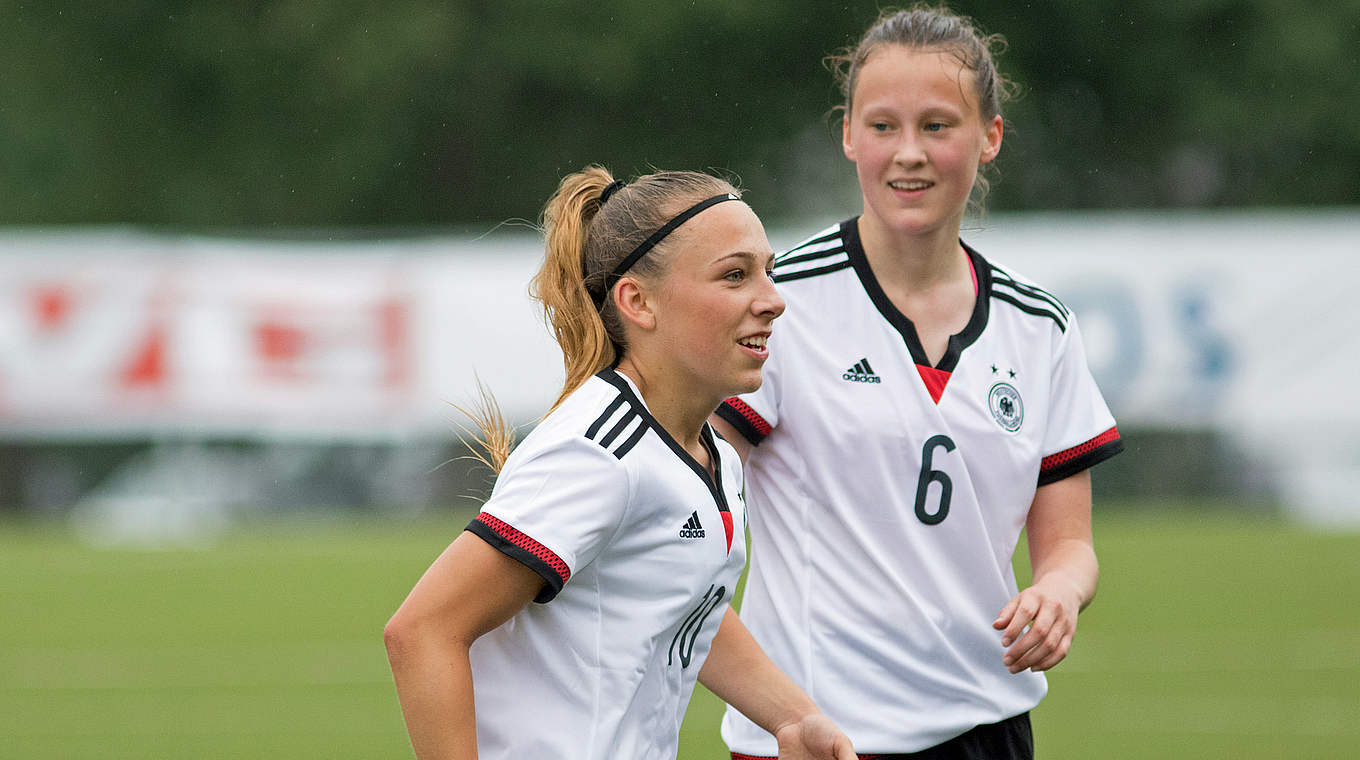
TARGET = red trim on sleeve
(744,409)
(510,533)
(1081,449)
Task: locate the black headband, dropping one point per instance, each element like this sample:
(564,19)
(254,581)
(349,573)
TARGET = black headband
(628,261)
(610,189)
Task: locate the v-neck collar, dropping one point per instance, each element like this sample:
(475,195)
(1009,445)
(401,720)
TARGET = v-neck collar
(854,248)
(712,481)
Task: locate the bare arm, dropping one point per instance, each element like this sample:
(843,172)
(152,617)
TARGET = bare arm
(1062,555)
(469,590)
(739,673)
(730,433)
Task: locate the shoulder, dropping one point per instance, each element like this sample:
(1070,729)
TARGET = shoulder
(821,254)
(597,422)
(1017,294)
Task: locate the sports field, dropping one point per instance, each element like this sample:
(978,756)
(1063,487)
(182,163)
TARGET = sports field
(1212,637)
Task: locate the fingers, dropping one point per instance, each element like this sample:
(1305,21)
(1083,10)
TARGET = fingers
(1046,643)
(1056,656)
(1003,618)
(1026,607)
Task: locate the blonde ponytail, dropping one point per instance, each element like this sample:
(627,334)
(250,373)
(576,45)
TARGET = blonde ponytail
(560,285)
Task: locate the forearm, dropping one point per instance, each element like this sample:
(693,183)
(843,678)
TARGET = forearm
(740,673)
(1070,563)
(434,685)
(1061,550)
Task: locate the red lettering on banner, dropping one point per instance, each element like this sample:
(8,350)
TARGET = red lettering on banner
(392,317)
(279,345)
(51,306)
(147,368)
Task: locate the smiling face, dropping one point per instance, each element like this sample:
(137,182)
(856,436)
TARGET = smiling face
(917,139)
(715,303)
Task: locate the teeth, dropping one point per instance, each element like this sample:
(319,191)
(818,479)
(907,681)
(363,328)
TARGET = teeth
(918,185)
(756,342)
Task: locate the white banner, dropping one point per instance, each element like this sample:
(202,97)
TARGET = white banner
(1243,322)
(128,335)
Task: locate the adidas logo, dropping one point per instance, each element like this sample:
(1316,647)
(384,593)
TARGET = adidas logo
(692,528)
(861,373)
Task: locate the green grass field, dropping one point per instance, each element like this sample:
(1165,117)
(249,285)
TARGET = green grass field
(1212,637)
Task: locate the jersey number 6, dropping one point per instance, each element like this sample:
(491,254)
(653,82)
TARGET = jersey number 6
(929,476)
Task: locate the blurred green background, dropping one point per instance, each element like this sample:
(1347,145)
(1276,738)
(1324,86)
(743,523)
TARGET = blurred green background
(416,112)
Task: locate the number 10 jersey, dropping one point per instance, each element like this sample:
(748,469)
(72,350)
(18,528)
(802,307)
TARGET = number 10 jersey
(887,495)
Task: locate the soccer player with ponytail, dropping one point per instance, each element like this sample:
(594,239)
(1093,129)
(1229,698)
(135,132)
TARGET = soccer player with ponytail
(574,615)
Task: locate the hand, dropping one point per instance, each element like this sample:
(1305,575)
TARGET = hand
(814,737)
(1050,610)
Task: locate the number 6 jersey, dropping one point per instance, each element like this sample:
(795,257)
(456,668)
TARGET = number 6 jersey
(887,496)
(639,550)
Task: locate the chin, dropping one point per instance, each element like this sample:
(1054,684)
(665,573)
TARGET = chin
(749,383)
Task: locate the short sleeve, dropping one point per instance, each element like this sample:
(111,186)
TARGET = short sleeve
(1081,432)
(555,509)
(754,415)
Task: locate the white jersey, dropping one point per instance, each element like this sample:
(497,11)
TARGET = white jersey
(640,551)
(887,496)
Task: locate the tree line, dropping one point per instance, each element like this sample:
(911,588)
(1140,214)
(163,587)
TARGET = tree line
(289,113)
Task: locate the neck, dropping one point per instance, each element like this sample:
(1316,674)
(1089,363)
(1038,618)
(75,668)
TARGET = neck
(674,404)
(913,263)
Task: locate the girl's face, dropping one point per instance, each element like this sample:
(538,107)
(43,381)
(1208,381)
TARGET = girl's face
(716,302)
(917,139)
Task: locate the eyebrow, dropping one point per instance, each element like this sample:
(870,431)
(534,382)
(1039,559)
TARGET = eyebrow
(763,255)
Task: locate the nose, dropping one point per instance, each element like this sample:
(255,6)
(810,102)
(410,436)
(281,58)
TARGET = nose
(768,302)
(909,151)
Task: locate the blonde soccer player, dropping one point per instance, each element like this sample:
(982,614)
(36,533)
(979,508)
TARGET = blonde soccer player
(573,617)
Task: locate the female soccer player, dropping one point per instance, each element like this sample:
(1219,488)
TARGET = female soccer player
(592,590)
(921,406)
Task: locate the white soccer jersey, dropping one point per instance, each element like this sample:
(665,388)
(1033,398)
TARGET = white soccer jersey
(640,550)
(887,496)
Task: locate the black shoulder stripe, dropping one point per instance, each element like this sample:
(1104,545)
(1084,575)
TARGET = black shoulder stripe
(787,276)
(1048,304)
(800,258)
(1030,309)
(599,422)
(632,440)
(1001,278)
(618,428)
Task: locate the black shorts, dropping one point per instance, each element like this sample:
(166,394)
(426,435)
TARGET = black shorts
(1010,739)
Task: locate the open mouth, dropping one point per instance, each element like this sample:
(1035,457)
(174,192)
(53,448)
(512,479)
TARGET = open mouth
(910,185)
(755,344)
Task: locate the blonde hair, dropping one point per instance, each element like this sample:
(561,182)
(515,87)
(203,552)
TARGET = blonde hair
(584,241)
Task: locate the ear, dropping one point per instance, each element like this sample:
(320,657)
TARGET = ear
(846,146)
(991,137)
(634,304)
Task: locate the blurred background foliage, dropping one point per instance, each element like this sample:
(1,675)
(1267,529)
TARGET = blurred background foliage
(416,112)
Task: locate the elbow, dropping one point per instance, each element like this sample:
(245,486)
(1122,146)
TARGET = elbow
(399,636)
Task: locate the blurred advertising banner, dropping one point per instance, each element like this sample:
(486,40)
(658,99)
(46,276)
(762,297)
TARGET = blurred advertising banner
(1245,323)
(1237,322)
(121,334)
